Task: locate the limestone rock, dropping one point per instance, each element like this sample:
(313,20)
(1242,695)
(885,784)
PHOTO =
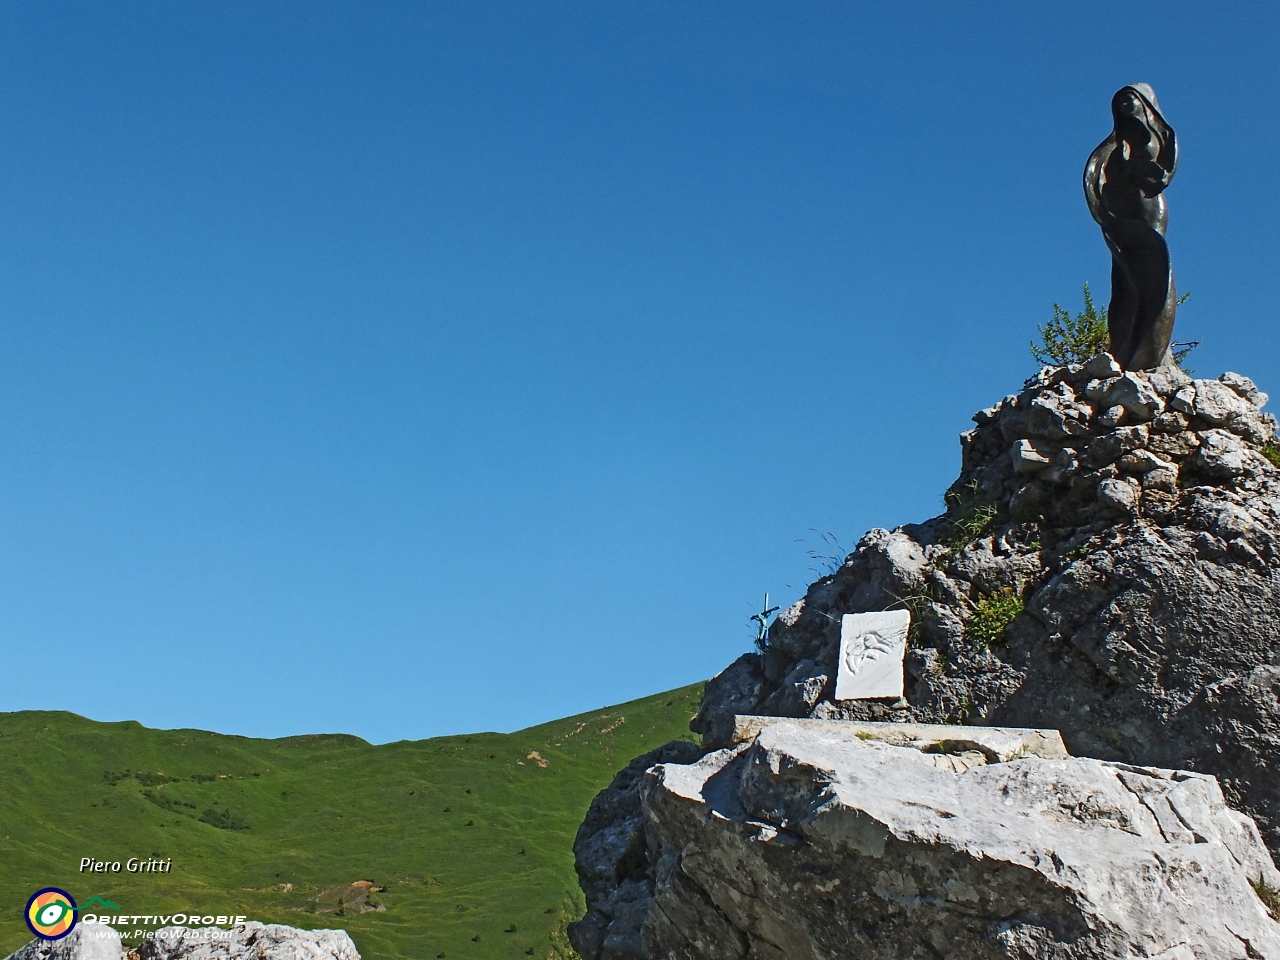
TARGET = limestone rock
(1110,416)
(1148,559)
(1136,394)
(994,744)
(87,941)
(1221,455)
(244,941)
(810,843)
(1219,405)
(799,691)
(1122,495)
(609,855)
(1143,461)
(1246,388)
(1146,555)
(1027,459)
(248,941)
(1103,365)
(1184,401)
(740,687)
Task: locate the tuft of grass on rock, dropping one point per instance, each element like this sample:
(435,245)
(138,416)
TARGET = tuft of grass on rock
(1269,895)
(920,606)
(993,614)
(972,516)
(1078,553)
(1272,452)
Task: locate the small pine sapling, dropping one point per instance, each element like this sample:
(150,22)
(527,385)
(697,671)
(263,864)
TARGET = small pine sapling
(1066,339)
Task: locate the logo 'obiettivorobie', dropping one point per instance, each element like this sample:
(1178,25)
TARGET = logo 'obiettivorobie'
(51,913)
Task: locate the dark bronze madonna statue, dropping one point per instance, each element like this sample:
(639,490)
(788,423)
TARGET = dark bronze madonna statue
(1124,183)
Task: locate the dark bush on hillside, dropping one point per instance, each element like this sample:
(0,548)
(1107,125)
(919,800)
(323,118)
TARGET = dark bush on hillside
(167,803)
(223,820)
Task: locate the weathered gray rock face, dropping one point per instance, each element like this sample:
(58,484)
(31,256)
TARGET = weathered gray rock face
(244,941)
(612,863)
(1138,518)
(812,843)
(249,941)
(88,941)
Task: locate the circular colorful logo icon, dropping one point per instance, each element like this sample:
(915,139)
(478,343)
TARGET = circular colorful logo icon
(51,913)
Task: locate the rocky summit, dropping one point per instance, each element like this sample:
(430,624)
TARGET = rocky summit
(1107,566)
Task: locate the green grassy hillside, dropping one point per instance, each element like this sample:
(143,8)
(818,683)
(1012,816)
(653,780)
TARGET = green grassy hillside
(466,840)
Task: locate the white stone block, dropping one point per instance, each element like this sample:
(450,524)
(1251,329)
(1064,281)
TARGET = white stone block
(872,646)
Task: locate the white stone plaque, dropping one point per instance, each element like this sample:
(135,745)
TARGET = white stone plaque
(872,646)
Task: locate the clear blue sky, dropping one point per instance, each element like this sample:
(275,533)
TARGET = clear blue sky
(405,369)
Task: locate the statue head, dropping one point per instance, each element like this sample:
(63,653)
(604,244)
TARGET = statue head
(1137,103)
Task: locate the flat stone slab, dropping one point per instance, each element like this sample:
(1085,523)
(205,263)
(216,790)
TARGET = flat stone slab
(803,844)
(996,744)
(872,646)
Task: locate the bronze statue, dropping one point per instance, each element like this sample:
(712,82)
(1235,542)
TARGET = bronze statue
(1124,183)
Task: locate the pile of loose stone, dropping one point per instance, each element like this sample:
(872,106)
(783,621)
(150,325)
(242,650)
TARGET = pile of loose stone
(1088,441)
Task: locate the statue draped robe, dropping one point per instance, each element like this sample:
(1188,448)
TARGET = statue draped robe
(1124,183)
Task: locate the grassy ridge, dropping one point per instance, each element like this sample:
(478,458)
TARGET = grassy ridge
(470,836)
